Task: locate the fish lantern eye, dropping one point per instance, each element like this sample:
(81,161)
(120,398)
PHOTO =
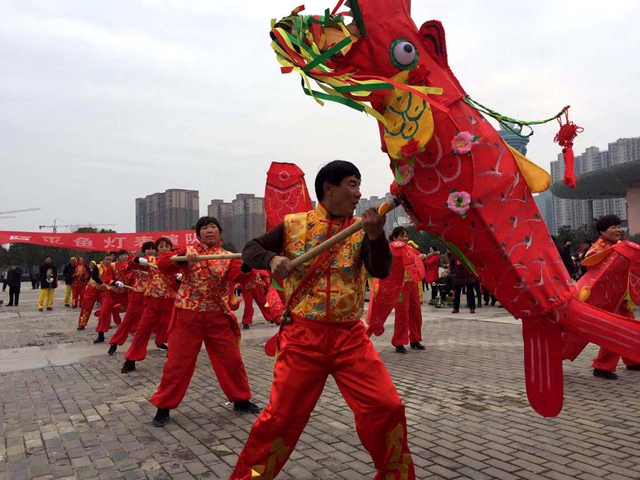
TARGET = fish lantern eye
(403,54)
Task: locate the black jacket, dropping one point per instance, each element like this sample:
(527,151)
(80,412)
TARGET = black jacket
(68,272)
(14,279)
(43,276)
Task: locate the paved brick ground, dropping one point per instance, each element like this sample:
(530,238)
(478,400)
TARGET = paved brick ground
(466,409)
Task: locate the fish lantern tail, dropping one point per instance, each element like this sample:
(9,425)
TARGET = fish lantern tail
(613,332)
(565,136)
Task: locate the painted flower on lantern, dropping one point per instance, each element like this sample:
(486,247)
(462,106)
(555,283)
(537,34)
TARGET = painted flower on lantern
(462,143)
(459,202)
(405,174)
(411,149)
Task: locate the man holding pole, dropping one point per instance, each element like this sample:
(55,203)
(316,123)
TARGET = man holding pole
(323,334)
(202,314)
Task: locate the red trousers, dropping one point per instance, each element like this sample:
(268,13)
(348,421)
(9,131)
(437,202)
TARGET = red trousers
(121,299)
(131,319)
(408,324)
(249,296)
(91,295)
(155,318)
(188,330)
(608,360)
(77,290)
(310,352)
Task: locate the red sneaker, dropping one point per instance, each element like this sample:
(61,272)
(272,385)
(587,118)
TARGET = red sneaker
(472,310)
(455,310)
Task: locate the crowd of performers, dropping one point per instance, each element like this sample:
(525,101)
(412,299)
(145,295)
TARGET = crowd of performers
(187,301)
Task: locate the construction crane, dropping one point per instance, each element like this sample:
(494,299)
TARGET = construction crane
(55,225)
(16,211)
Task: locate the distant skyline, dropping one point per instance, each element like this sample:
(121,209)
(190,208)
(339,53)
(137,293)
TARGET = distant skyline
(104,102)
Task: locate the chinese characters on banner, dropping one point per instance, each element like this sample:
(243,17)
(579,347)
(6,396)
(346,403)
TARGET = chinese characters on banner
(98,241)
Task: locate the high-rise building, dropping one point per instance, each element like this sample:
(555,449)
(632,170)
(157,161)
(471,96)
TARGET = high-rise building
(242,219)
(394,218)
(514,140)
(544,201)
(576,213)
(174,209)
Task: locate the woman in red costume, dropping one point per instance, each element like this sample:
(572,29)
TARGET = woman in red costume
(81,278)
(158,307)
(408,323)
(431,270)
(604,365)
(135,307)
(101,276)
(202,315)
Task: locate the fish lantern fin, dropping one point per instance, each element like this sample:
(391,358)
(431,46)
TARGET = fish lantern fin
(543,366)
(537,178)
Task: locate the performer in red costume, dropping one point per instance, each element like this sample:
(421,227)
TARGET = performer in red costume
(101,275)
(202,314)
(135,305)
(256,287)
(325,336)
(604,365)
(408,322)
(120,296)
(103,278)
(158,306)
(80,280)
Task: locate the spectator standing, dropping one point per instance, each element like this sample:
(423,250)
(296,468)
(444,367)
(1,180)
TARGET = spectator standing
(35,277)
(49,279)
(462,277)
(14,279)
(68,275)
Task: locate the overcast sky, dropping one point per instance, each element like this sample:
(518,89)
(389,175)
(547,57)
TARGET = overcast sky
(104,101)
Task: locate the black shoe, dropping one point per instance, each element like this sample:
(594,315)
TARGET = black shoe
(634,367)
(128,366)
(401,349)
(246,326)
(417,346)
(604,374)
(49,309)
(9,304)
(112,349)
(246,406)
(161,418)
(493,304)
(67,305)
(486,304)
(74,306)
(163,346)
(100,338)
(80,328)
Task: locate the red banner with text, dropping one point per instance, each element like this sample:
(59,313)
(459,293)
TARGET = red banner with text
(99,241)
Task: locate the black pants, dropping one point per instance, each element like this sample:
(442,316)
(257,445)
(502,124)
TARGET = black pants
(14,295)
(487,296)
(4,285)
(471,298)
(34,284)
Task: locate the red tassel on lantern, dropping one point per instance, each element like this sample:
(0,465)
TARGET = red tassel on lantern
(564,138)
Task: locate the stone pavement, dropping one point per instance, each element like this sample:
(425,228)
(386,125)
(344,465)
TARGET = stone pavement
(74,415)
